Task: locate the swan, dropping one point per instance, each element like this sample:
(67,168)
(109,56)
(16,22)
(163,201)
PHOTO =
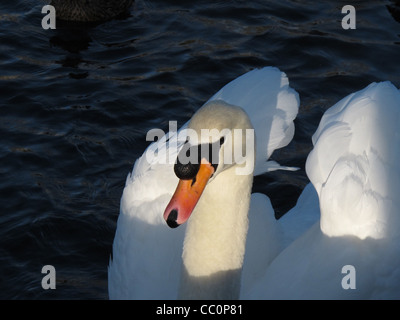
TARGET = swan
(353,250)
(208,257)
(90,10)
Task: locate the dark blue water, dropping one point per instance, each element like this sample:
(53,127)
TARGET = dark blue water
(76,104)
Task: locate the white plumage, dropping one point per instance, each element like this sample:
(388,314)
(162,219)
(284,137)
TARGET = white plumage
(146,260)
(348,216)
(355,168)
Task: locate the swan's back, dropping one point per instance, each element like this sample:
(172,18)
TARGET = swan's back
(355,169)
(355,164)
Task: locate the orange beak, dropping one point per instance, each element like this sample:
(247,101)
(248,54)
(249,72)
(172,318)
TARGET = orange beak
(186,196)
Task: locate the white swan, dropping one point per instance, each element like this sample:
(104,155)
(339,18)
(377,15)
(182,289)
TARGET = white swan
(355,170)
(354,251)
(147,254)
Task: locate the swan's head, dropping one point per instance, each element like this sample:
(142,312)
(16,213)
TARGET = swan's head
(220,136)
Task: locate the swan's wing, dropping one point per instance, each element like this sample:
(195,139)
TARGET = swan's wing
(146,254)
(271,104)
(354,165)
(355,169)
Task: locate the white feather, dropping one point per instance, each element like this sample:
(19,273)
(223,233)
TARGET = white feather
(146,261)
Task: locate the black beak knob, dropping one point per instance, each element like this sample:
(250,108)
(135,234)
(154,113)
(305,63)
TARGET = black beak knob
(186,171)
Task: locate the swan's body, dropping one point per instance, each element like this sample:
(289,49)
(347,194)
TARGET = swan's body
(355,172)
(147,261)
(355,169)
(90,10)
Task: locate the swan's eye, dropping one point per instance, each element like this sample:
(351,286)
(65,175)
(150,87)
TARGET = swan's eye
(221,141)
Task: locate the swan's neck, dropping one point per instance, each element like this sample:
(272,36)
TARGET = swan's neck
(215,239)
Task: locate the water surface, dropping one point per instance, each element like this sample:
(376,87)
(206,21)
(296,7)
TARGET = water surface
(76,104)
